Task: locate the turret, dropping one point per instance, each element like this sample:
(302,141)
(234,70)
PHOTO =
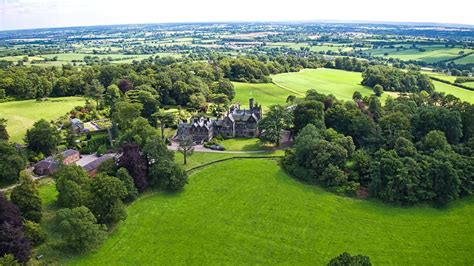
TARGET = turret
(251,103)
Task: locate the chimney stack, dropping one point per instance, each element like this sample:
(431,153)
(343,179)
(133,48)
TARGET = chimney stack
(251,103)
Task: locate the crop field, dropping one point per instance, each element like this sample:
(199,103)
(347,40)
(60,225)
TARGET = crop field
(251,212)
(340,83)
(21,115)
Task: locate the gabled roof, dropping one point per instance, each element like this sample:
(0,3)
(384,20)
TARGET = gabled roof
(97,162)
(69,152)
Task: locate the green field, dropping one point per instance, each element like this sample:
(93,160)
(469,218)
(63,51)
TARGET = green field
(340,83)
(469,84)
(21,115)
(251,212)
(463,94)
(265,94)
(432,53)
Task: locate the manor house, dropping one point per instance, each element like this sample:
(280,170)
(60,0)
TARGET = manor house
(236,123)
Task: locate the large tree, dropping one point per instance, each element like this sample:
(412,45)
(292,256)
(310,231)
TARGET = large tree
(186,147)
(106,204)
(308,112)
(79,229)
(26,197)
(72,184)
(12,239)
(42,137)
(164,119)
(277,118)
(134,161)
(11,162)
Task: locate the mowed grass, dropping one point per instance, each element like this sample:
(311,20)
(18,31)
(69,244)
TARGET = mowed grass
(253,144)
(265,94)
(21,115)
(463,94)
(340,83)
(251,212)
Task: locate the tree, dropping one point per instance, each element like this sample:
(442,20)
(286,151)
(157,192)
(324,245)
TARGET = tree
(106,204)
(435,140)
(112,95)
(375,108)
(11,162)
(26,197)
(164,119)
(378,90)
(34,233)
(148,101)
(345,259)
(134,161)
(12,239)
(186,147)
(277,118)
(9,260)
(138,132)
(79,229)
(308,112)
(163,170)
(356,96)
(132,192)
(42,137)
(3,129)
(72,184)
(95,91)
(125,113)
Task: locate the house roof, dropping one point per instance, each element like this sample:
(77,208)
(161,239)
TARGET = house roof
(69,152)
(97,162)
(76,121)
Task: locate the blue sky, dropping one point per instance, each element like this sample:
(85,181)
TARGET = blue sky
(21,14)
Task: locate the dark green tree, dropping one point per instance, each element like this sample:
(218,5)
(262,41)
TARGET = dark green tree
(42,137)
(26,197)
(79,229)
(106,195)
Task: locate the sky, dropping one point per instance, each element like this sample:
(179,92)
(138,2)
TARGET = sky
(26,14)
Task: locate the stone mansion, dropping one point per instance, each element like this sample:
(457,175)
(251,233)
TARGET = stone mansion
(236,123)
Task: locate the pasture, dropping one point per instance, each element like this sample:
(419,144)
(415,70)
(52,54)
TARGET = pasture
(251,212)
(428,54)
(463,94)
(340,83)
(21,115)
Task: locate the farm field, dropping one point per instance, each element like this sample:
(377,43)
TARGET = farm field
(442,76)
(465,60)
(21,115)
(432,53)
(463,94)
(340,83)
(251,212)
(469,84)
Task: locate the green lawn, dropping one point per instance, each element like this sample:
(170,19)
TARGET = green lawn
(21,115)
(265,94)
(340,83)
(244,145)
(251,212)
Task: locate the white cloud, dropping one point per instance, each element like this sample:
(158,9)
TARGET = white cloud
(57,13)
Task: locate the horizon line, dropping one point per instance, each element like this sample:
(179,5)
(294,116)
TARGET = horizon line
(325,21)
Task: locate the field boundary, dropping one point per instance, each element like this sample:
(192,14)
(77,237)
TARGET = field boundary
(193,169)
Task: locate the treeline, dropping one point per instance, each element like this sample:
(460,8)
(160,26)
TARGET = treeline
(393,79)
(417,148)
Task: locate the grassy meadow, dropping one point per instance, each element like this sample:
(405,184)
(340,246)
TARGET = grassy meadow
(251,212)
(340,83)
(21,115)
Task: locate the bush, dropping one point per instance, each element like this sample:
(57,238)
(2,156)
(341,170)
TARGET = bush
(345,259)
